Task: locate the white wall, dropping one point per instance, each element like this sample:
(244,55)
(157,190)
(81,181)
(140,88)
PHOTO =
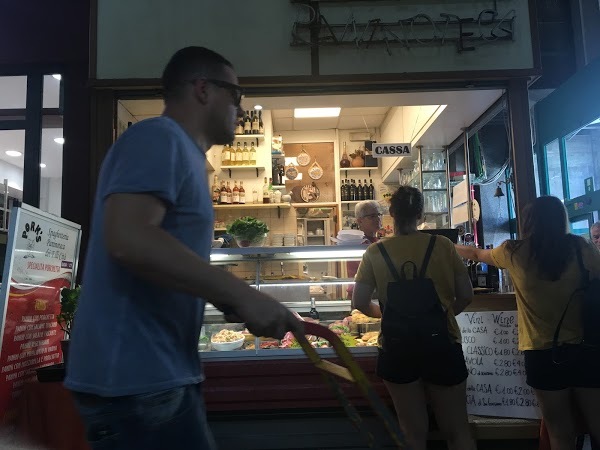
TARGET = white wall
(13,173)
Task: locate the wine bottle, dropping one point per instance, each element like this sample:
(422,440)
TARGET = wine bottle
(261,127)
(255,122)
(235,194)
(247,123)
(371,190)
(239,129)
(313,313)
(239,155)
(225,156)
(343,191)
(265,194)
(345,161)
(246,155)
(242,193)
(223,198)
(360,192)
(252,156)
(229,194)
(352,191)
(216,191)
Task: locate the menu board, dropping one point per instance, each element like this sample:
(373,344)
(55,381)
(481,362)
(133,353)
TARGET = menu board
(496,384)
(41,259)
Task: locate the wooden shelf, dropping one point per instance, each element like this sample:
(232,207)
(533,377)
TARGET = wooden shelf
(241,137)
(314,205)
(230,168)
(349,202)
(357,169)
(279,206)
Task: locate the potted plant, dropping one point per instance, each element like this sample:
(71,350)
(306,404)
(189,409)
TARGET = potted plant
(68,305)
(358,158)
(248,231)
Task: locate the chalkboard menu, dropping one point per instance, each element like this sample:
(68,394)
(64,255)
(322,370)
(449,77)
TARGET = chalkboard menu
(496,384)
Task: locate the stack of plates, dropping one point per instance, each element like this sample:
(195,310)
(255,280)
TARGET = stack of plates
(289,240)
(277,240)
(349,237)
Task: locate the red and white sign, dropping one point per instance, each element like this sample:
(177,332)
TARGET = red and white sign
(41,259)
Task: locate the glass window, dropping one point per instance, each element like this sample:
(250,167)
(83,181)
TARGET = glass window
(13,92)
(583,158)
(554,169)
(12,149)
(581,227)
(51,97)
(51,170)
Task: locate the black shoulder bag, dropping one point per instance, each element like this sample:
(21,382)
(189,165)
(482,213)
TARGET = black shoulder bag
(590,308)
(413,313)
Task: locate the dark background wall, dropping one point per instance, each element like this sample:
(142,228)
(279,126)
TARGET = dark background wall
(54,35)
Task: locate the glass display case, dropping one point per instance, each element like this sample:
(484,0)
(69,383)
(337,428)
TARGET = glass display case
(310,281)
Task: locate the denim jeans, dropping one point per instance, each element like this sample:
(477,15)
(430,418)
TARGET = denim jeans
(171,419)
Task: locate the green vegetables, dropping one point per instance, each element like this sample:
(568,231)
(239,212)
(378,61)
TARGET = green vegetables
(248,228)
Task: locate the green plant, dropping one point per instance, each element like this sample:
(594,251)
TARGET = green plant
(68,305)
(248,228)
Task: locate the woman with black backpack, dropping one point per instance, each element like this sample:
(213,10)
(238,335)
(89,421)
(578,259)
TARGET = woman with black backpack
(549,268)
(422,284)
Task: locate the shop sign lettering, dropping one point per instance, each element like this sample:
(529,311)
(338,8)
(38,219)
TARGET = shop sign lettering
(393,149)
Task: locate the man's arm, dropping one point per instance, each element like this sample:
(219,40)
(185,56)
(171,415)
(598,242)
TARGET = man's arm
(135,239)
(475,254)
(361,300)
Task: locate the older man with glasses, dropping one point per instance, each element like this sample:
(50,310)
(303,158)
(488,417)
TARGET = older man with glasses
(368,218)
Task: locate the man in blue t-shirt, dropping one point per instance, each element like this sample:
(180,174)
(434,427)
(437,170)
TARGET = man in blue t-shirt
(133,362)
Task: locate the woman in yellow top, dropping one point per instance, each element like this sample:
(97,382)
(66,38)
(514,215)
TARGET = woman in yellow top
(415,366)
(545,272)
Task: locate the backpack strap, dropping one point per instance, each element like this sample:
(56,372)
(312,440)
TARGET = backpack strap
(388,261)
(584,283)
(427,256)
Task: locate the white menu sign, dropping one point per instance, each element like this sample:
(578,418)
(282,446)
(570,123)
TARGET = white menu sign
(496,384)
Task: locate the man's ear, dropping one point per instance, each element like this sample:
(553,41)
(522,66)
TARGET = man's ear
(200,89)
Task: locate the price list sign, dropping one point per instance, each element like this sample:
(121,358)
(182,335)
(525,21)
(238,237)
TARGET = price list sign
(496,384)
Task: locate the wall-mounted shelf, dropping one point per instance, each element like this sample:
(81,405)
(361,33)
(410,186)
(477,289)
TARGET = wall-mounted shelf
(241,137)
(230,168)
(314,205)
(279,206)
(357,169)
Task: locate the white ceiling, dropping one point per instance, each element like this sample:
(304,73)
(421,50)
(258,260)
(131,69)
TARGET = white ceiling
(13,95)
(463,108)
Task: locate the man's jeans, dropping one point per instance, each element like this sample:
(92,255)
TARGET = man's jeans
(171,419)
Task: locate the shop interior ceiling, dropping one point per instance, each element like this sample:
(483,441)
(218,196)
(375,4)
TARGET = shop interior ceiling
(13,96)
(360,111)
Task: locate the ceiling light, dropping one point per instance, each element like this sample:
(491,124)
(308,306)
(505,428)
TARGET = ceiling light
(42,165)
(302,113)
(59,140)
(57,76)
(257,107)
(13,153)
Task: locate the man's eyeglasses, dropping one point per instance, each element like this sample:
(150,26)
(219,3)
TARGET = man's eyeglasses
(373,216)
(236,91)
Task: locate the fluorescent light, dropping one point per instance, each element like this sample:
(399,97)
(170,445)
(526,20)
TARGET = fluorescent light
(257,107)
(42,165)
(303,113)
(57,76)
(59,140)
(328,254)
(13,153)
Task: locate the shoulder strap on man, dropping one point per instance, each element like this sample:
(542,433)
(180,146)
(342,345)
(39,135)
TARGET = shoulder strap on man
(427,256)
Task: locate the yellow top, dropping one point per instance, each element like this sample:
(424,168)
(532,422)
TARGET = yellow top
(443,266)
(540,303)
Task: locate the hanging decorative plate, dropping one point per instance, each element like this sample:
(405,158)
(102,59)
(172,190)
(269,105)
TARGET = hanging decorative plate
(310,192)
(315,171)
(303,158)
(291,172)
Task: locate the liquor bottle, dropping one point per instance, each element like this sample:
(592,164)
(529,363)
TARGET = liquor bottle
(242,194)
(247,123)
(352,191)
(235,199)
(271,191)
(261,127)
(226,156)
(371,190)
(313,313)
(265,193)
(229,194)
(216,191)
(345,161)
(347,188)
(239,155)
(252,157)
(223,198)
(343,191)
(360,192)
(255,122)
(239,129)
(246,155)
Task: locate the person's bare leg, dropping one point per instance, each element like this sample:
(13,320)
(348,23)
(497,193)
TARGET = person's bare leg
(557,410)
(411,410)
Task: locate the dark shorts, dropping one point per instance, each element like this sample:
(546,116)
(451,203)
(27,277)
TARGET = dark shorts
(174,418)
(568,366)
(441,365)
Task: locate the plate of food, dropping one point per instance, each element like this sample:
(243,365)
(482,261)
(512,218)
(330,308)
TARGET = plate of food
(227,340)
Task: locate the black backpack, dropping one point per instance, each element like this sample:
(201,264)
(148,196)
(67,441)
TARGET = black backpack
(413,313)
(590,307)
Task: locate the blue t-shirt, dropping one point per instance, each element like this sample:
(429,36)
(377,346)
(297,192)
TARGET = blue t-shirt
(131,336)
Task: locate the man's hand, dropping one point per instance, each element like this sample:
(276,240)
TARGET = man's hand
(264,316)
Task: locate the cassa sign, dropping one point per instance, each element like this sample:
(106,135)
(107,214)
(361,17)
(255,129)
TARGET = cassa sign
(383,150)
